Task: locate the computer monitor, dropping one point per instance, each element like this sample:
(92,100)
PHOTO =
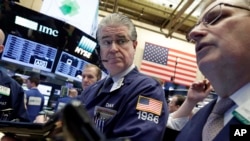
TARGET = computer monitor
(28,53)
(46,91)
(70,66)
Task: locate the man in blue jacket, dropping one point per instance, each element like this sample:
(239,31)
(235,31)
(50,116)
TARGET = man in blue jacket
(61,102)
(222,44)
(35,100)
(11,94)
(125,104)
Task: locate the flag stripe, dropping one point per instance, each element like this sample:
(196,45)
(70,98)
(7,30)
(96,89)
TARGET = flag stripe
(187,58)
(167,73)
(181,53)
(165,63)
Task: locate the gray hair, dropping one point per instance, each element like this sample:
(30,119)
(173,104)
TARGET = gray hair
(117,19)
(2,36)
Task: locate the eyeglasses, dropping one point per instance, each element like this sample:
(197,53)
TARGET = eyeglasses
(213,16)
(106,43)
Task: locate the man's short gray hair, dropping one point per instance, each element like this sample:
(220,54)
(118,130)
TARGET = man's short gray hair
(119,20)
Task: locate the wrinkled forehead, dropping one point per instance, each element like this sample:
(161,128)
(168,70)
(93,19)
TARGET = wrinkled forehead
(208,4)
(89,71)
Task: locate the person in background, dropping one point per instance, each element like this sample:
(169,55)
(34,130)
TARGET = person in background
(197,92)
(90,74)
(221,38)
(175,102)
(179,117)
(11,94)
(61,102)
(35,100)
(19,79)
(125,104)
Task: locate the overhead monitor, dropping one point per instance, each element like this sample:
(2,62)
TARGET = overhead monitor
(70,66)
(29,53)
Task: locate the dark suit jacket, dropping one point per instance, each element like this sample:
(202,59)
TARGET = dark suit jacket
(192,131)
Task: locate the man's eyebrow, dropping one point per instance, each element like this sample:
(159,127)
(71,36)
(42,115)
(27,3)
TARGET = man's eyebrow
(121,36)
(105,37)
(116,36)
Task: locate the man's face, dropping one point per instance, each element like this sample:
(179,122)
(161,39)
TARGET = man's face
(172,107)
(117,48)
(89,76)
(28,83)
(223,45)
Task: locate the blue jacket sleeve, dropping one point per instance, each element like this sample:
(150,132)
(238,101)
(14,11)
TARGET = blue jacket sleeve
(17,96)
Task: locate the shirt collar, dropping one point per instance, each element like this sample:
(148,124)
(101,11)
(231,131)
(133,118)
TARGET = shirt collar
(242,95)
(122,74)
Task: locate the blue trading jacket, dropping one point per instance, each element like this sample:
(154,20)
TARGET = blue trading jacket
(15,100)
(34,107)
(115,113)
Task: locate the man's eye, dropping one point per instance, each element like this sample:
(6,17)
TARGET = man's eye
(121,41)
(212,17)
(106,42)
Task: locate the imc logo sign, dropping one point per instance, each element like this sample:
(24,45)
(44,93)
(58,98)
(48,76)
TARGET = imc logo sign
(240,132)
(48,30)
(35,26)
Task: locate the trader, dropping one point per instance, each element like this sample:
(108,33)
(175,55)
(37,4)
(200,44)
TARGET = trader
(222,50)
(125,104)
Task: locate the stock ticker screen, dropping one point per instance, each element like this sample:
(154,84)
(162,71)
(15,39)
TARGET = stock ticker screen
(29,53)
(70,66)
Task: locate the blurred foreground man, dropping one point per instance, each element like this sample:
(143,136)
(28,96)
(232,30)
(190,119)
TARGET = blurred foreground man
(222,45)
(12,105)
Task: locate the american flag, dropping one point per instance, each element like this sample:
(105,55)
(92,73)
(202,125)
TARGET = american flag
(149,105)
(169,64)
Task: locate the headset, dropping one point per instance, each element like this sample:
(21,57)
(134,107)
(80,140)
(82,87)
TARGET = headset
(100,61)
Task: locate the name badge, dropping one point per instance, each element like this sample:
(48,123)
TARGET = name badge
(105,113)
(35,101)
(4,90)
(242,113)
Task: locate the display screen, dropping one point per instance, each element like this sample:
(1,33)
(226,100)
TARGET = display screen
(70,66)
(46,91)
(29,53)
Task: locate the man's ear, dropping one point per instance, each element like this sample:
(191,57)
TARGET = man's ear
(1,48)
(178,106)
(135,44)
